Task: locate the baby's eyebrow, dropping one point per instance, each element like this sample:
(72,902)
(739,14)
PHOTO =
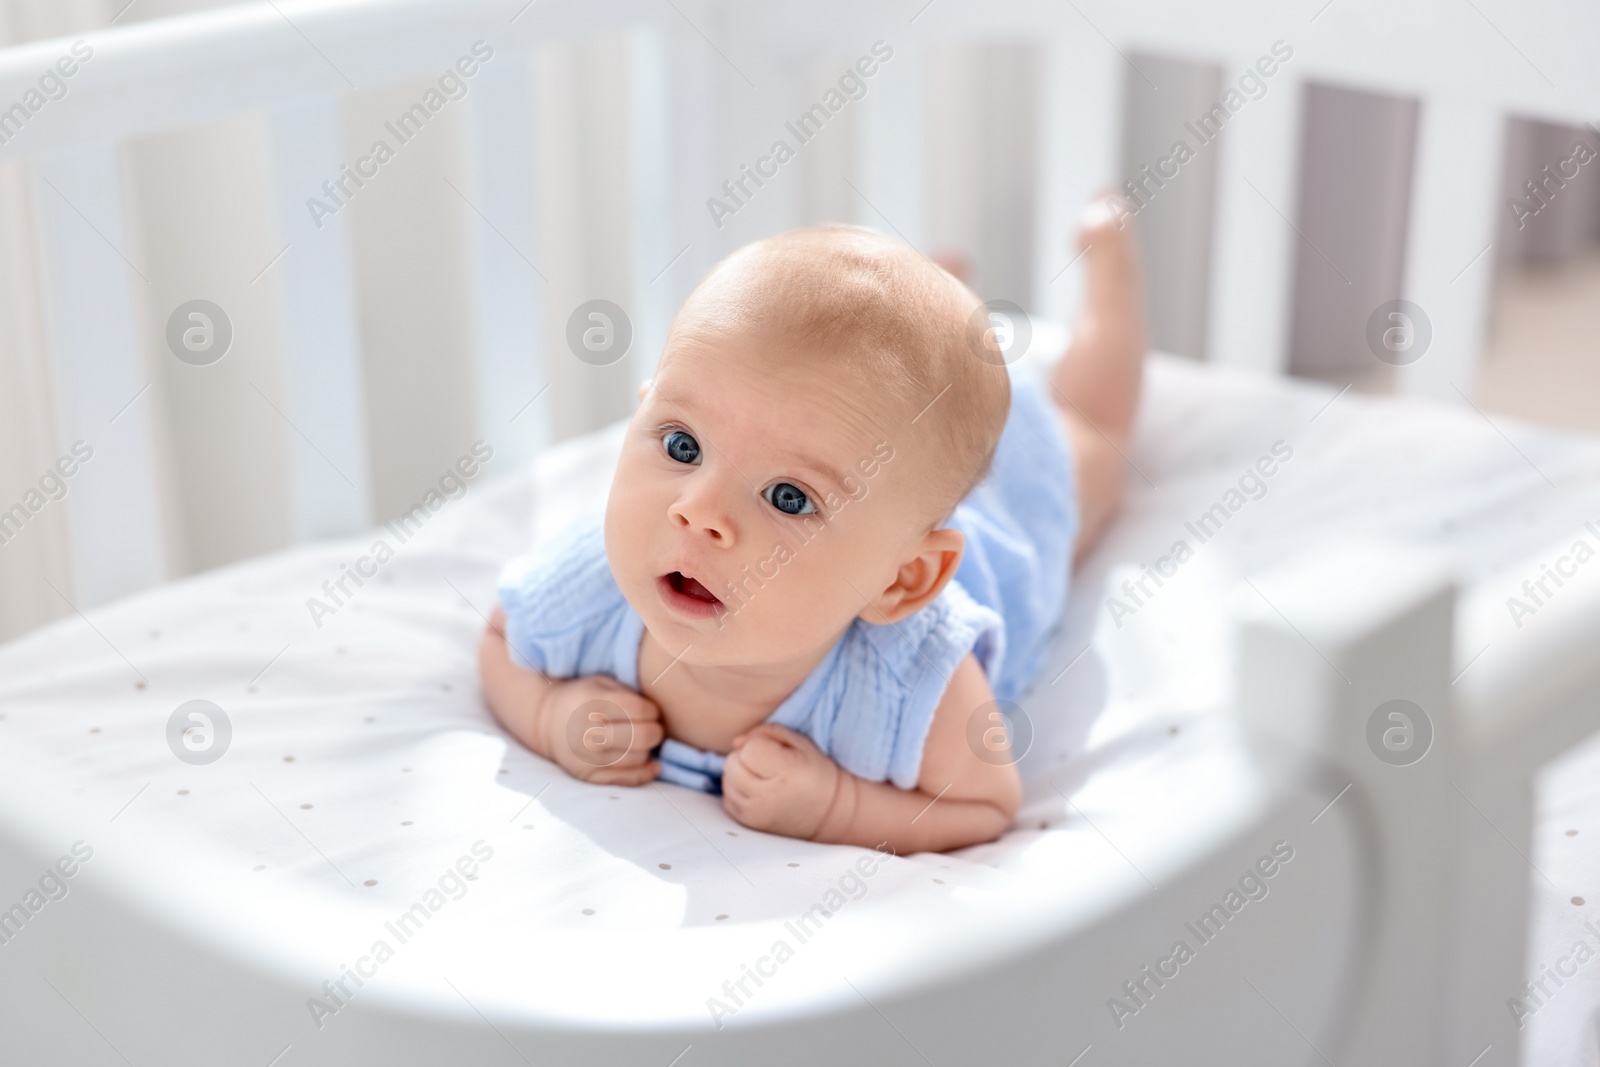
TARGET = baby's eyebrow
(819,466)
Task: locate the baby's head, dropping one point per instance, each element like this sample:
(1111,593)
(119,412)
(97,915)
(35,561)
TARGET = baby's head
(820,408)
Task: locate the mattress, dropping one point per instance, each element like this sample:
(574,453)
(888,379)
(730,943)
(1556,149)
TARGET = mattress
(362,768)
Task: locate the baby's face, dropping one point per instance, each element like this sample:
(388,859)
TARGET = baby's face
(759,500)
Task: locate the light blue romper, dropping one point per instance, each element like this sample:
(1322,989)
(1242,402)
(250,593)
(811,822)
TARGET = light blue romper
(869,703)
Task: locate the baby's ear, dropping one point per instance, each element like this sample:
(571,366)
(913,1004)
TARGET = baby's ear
(920,578)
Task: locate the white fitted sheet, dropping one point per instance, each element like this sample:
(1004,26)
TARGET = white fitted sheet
(362,750)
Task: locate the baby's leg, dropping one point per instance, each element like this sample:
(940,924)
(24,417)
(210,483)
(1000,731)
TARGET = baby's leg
(1096,384)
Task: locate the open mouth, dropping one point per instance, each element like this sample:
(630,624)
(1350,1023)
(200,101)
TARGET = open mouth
(687,596)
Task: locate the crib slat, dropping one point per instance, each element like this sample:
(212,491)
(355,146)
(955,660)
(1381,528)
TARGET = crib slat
(655,238)
(891,148)
(695,86)
(1078,148)
(322,392)
(510,369)
(1455,184)
(1253,242)
(103,387)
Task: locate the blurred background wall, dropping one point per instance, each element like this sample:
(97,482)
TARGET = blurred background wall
(200,200)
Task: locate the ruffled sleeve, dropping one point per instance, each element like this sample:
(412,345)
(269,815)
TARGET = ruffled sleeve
(565,615)
(870,703)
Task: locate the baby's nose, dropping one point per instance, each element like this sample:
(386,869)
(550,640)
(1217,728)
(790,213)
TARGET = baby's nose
(701,509)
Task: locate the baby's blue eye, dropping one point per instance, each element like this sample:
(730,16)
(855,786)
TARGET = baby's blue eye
(681,447)
(789,499)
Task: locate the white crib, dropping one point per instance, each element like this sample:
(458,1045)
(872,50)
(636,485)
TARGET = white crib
(1361,959)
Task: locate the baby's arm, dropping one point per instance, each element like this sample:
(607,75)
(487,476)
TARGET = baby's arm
(594,727)
(777,780)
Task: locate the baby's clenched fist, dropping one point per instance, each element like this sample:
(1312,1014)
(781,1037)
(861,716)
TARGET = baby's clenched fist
(778,781)
(601,731)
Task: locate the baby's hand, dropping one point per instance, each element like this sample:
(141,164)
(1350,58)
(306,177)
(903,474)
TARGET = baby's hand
(778,781)
(601,731)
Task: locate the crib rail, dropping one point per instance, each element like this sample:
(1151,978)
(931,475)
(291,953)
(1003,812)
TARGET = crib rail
(708,84)
(153,76)
(1371,688)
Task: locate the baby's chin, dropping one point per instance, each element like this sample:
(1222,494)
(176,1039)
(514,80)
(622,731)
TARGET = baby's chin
(714,644)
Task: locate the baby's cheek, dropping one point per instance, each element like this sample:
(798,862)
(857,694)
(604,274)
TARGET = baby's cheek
(628,533)
(804,598)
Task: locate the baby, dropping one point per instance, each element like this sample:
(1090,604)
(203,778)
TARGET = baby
(837,540)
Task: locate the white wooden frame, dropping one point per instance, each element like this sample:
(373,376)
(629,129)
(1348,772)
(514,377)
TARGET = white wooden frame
(1422,999)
